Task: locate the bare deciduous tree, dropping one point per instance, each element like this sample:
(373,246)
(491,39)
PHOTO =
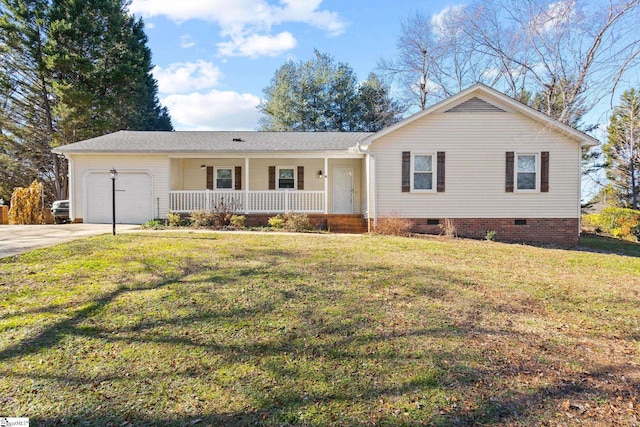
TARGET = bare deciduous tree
(573,54)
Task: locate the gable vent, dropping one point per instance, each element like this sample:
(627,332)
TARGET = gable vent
(475,105)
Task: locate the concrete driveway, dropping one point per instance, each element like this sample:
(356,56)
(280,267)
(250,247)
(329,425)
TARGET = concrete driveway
(17,239)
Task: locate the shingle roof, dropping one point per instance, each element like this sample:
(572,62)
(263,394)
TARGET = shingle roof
(215,141)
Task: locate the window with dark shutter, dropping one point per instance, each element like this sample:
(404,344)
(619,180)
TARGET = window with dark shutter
(544,172)
(224,178)
(209,177)
(238,173)
(406,171)
(509,172)
(300,177)
(272,177)
(440,171)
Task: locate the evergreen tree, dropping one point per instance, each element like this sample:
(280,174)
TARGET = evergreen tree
(26,122)
(71,70)
(322,95)
(376,108)
(102,70)
(622,150)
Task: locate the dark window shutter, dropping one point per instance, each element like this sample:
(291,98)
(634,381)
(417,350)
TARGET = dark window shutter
(441,171)
(209,177)
(238,172)
(509,173)
(544,172)
(300,177)
(406,171)
(272,177)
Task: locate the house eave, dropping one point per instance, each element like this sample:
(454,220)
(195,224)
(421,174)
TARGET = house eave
(345,154)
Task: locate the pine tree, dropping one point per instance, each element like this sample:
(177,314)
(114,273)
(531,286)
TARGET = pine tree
(26,122)
(102,71)
(70,70)
(376,108)
(324,95)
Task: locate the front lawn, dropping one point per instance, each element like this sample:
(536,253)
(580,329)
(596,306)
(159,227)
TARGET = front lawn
(247,329)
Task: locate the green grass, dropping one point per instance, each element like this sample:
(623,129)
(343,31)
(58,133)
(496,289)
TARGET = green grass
(610,245)
(261,329)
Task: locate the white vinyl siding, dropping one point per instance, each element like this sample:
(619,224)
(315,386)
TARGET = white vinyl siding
(177,174)
(156,166)
(475,144)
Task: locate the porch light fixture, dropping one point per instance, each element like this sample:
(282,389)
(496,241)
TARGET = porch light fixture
(113,175)
(320,176)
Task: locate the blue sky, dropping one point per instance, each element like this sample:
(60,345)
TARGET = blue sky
(214,57)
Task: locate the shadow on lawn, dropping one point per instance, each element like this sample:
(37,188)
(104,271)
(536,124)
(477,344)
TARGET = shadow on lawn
(467,375)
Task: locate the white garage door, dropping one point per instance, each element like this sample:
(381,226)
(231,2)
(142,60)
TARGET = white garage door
(134,198)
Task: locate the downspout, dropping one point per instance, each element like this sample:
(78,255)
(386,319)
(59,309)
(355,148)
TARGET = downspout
(579,190)
(375,191)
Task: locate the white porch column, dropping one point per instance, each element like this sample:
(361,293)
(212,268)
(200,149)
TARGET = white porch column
(326,185)
(246,185)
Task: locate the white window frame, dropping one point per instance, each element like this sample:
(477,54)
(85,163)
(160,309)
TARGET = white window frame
(434,173)
(515,173)
(295,177)
(215,178)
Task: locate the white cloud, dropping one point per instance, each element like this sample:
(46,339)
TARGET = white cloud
(442,22)
(186,41)
(246,21)
(185,77)
(255,45)
(215,110)
(306,11)
(555,17)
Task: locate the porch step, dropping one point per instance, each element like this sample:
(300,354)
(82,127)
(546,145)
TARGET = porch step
(354,224)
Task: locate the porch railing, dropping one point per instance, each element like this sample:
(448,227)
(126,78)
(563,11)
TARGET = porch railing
(272,201)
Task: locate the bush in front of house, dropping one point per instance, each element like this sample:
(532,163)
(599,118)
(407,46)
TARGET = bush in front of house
(202,218)
(174,219)
(154,224)
(393,225)
(237,221)
(621,223)
(297,223)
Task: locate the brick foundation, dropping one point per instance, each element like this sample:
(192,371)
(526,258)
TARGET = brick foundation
(557,231)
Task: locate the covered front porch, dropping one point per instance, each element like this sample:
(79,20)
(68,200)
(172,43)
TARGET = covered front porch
(267,185)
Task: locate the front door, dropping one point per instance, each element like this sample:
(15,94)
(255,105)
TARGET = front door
(342,191)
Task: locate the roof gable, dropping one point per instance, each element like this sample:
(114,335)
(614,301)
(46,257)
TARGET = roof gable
(480,98)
